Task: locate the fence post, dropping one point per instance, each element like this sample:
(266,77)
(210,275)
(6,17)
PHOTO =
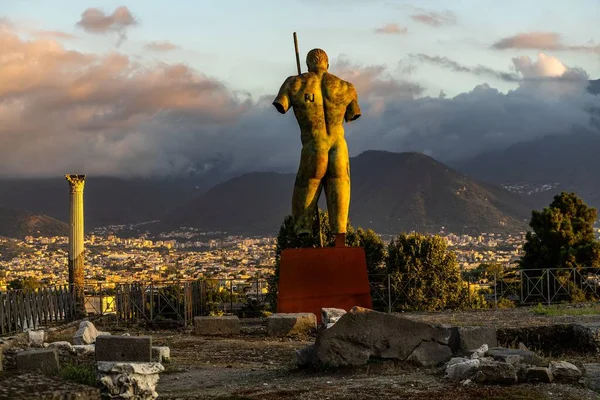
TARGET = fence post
(496,289)
(548,284)
(101,301)
(522,282)
(231,296)
(389,293)
(151,301)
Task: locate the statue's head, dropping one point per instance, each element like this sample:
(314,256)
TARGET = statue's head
(316,59)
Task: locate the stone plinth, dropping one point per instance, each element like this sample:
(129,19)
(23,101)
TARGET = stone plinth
(122,380)
(314,278)
(45,360)
(217,326)
(124,348)
(291,324)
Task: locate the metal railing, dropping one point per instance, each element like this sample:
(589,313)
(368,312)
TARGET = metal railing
(180,301)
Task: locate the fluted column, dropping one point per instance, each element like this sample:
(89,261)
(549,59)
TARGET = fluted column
(76,256)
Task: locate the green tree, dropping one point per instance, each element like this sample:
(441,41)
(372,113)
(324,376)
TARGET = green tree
(287,239)
(425,275)
(562,236)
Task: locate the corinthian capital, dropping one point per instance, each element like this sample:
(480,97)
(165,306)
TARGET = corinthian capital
(76,182)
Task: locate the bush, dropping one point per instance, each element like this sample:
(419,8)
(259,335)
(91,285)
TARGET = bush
(426,276)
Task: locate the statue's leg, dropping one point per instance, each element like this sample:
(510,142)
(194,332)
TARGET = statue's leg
(337,187)
(313,166)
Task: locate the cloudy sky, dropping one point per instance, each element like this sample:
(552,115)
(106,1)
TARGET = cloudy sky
(148,87)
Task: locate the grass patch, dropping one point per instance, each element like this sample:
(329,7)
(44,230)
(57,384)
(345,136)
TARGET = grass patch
(556,310)
(84,374)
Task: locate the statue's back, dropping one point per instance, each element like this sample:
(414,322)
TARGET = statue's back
(320,100)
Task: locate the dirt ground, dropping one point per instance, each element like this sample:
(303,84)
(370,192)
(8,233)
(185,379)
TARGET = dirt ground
(252,366)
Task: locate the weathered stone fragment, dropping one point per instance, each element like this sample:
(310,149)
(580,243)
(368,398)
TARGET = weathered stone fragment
(124,348)
(515,356)
(331,315)
(217,326)
(36,338)
(290,324)
(495,372)
(86,334)
(430,354)
(161,354)
(361,334)
(480,352)
(45,360)
(565,372)
(458,369)
(83,349)
(63,346)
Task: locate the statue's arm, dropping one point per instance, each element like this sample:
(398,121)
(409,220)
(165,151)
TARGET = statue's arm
(282,101)
(352,109)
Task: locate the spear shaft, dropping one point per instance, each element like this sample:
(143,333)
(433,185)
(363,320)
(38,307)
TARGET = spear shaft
(297,53)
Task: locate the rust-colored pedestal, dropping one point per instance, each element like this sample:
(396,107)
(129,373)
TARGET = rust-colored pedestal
(310,279)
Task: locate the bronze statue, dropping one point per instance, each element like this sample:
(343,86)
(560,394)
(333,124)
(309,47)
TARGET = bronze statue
(321,103)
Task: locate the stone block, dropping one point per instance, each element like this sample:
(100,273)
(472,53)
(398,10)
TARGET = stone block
(217,326)
(121,380)
(124,348)
(473,337)
(36,338)
(161,354)
(290,324)
(45,360)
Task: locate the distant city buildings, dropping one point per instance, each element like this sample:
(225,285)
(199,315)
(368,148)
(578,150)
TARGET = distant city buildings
(189,254)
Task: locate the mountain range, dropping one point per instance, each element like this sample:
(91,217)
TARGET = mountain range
(20,223)
(391,192)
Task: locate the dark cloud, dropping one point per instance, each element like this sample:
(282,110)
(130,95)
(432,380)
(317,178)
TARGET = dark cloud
(161,46)
(96,21)
(435,19)
(479,70)
(63,110)
(392,29)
